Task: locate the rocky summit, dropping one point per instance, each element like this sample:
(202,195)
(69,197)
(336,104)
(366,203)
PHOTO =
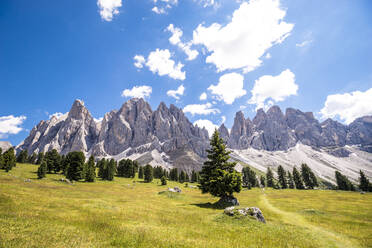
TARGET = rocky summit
(166,137)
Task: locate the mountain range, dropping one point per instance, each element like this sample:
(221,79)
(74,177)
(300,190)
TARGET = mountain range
(167,138)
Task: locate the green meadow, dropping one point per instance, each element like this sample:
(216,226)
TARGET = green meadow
(130,213)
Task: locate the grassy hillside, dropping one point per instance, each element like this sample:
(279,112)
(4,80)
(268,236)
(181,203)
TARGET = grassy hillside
(129,213)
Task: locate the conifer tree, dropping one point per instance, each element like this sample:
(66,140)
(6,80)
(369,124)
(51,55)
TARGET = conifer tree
(363,182)
(148,173)
(182,178)
(249,178)
(187,179)
(173,175)
(90,172)
(263,181)
(40,158)
(32,158)
(298,179)
(193,177)
(41,171)
(218,176)
(140,172)
(343,183)
(282,178)
(75,165)
(53,160)
(290,180)
(308,177)
(269,178)
(9,159)
(1,159)
(101,168)
(22,157)
(163,180)
(111,170)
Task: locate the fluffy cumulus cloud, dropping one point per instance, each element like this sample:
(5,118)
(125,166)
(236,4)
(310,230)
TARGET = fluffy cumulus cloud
(176,93)
(254,28)
(229,87)
(175,39)
(108,8)
(139,60)
(348,106)
(161,6)
(138,92)
(11,125)
(57,115)
(207,124)
(160,62)
(200,109)
(203,96)
(270,89)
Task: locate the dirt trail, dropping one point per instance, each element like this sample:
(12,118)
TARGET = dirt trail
(337,240)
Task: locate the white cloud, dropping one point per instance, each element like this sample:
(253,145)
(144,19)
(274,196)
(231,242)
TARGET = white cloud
(108,8)
(58,115)
(270,89)
(348,106)
(11,125)
(139,60)
(207,124)
(175,39)
(304,43)
(223,119)
(159,61)
(254,28)
(268,56)
(200,109)
(158,11)
(138,92)
(203,96)
(229,87)
(176,93)
(98,120)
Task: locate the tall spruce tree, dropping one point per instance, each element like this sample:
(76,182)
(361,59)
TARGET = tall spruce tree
(75,167)
(140,172)
(218,176)
(53,160)
(262,181)
(111,170)
(193,177)
(343,183)
(249,178)
(40,158)
(297,179)
(90,171)
(32,158)
(282,177)
(308,176)
(101,164)
(269,178)
(182,178)
(290,180)
(22,157)
(148,173)
(173,174)
(9,159)
(1,159)
(364,182)
(41,171)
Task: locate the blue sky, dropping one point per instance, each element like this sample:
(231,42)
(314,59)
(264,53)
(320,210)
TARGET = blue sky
(312,55)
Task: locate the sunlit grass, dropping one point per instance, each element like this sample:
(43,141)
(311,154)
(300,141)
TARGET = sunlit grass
(129,213)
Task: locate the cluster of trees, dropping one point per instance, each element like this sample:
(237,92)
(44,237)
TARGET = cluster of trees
(343,183)
(7,159)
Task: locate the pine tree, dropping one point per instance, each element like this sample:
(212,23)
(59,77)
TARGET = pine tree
(101,168)
(263,181)
(41,171)
(249,178)
(126,168)
(75,165)
(290,180)
(140,172)
(282,178)
(40,158)
(9,159)
(148,173)
(173,175)
(163,180)
(297,179)
(193,177)
(363,182)
(187,179)
(1,159)
(182,178)
(53,160)
(308,177)
(269,178)
(343,183)
(22,157)
(90,172)
(111,170)
(32,158)
(218,176)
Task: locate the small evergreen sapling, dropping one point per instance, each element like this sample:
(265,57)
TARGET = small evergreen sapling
(41,171)
(163,180)
(140,172)
(148,173)
(269,178)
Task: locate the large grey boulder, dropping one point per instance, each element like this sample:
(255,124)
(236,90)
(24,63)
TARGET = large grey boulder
(250,211)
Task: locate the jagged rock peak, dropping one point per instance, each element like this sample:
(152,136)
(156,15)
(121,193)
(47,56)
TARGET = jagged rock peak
(78,110)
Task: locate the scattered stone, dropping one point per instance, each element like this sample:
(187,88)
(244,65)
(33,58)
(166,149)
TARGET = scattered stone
(228,200)
(362,192)
(192,187)
(27,180)
(65,180)
(175,190)
(251,211)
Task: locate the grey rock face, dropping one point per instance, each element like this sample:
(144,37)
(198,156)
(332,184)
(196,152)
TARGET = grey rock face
(224,132)
(360,132)
(5,145)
